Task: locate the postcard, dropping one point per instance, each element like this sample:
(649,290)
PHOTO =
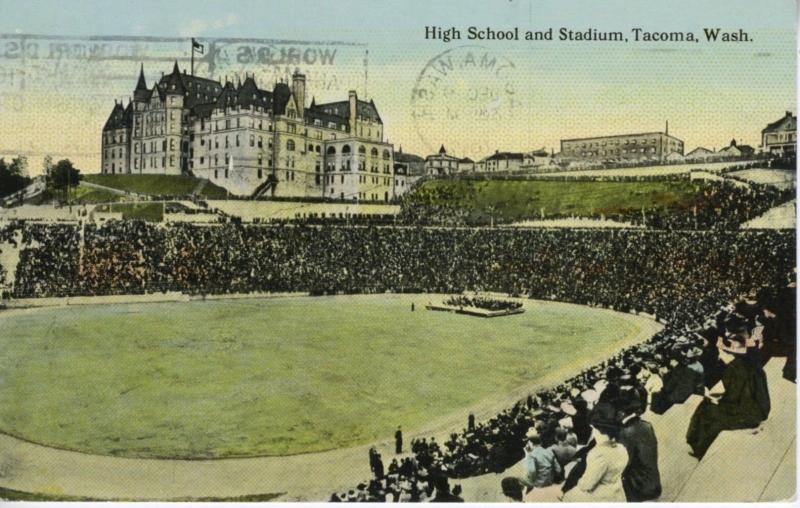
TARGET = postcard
(403,251)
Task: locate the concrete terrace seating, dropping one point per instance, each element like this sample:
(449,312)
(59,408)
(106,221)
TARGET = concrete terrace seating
(727,472)
(753,464)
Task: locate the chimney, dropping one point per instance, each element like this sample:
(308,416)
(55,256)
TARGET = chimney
(299,90)
(353,104)
(666,129)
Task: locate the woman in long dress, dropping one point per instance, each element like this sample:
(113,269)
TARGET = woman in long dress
(605,462)
(745,403)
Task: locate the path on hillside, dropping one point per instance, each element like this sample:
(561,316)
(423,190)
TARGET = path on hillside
(198,189)
(34,468)
(114,190)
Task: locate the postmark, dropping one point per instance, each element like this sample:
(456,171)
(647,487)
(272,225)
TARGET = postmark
(465,86)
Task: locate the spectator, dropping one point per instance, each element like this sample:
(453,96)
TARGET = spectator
(602,480)
(398,441)
(540,466)
(443,494)
(745,402)
(512,489)
(563,451)
(641,478)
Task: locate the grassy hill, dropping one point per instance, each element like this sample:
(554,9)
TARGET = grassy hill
(528,199)
(157,185)
(151,212)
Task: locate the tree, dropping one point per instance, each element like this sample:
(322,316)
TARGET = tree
(64,176)
(12,178)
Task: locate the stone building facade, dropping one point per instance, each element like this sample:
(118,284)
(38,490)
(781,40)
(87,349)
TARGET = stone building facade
(648,146)
(252,141)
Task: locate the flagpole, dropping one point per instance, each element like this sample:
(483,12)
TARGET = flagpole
(192,56)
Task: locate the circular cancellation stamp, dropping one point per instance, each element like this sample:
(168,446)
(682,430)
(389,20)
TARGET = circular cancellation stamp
(466,87)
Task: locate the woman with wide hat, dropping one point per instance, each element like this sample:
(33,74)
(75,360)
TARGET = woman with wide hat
(602,480)
(745,402)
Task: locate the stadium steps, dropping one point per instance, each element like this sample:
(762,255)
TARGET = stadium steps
(728,472)
(685,479)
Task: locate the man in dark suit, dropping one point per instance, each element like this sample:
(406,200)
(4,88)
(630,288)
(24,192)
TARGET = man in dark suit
(641,478)
(443,494)
(679,383)
(398,441)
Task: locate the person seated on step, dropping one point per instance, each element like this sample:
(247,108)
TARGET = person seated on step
(745,402)
(679,383)
(605,462)
(641,478)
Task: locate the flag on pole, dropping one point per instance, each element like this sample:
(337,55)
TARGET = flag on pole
(197,46)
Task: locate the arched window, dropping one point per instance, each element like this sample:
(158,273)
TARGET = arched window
(331,150)
(290,145)
(374,152)
(346,149)
(362,150)
(386,154)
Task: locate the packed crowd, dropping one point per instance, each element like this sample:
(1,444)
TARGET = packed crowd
(684,278)
(482,302)
(672,275)
(585,440)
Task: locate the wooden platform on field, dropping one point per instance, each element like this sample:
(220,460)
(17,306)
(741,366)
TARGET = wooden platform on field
(475,311)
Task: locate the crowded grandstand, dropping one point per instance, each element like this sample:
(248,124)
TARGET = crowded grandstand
(726,299)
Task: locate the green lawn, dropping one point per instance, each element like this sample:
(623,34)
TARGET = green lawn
(527,199)
(157,185)
(151,212)
(273,376)
(87,195)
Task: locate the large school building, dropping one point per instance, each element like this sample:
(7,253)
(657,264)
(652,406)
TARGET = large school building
(647,146)
(252,141)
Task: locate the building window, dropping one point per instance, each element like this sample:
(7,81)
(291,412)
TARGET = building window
(290,145)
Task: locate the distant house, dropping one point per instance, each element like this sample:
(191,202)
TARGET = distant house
(700,154)
(538,161)
(734,150)
(441,164)
(780,136)
(466,165)
(504,161)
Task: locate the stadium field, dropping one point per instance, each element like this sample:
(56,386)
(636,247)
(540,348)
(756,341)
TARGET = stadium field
(277,376)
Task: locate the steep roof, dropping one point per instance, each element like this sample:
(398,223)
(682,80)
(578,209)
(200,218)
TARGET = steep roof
(505,155)
(788,122)
(407,157)
(700,149)
(280,98)
(341,109)
(172,84)
(115,118)
(203,95)
(141,93)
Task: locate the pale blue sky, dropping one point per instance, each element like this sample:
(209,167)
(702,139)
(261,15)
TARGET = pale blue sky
(709,92)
